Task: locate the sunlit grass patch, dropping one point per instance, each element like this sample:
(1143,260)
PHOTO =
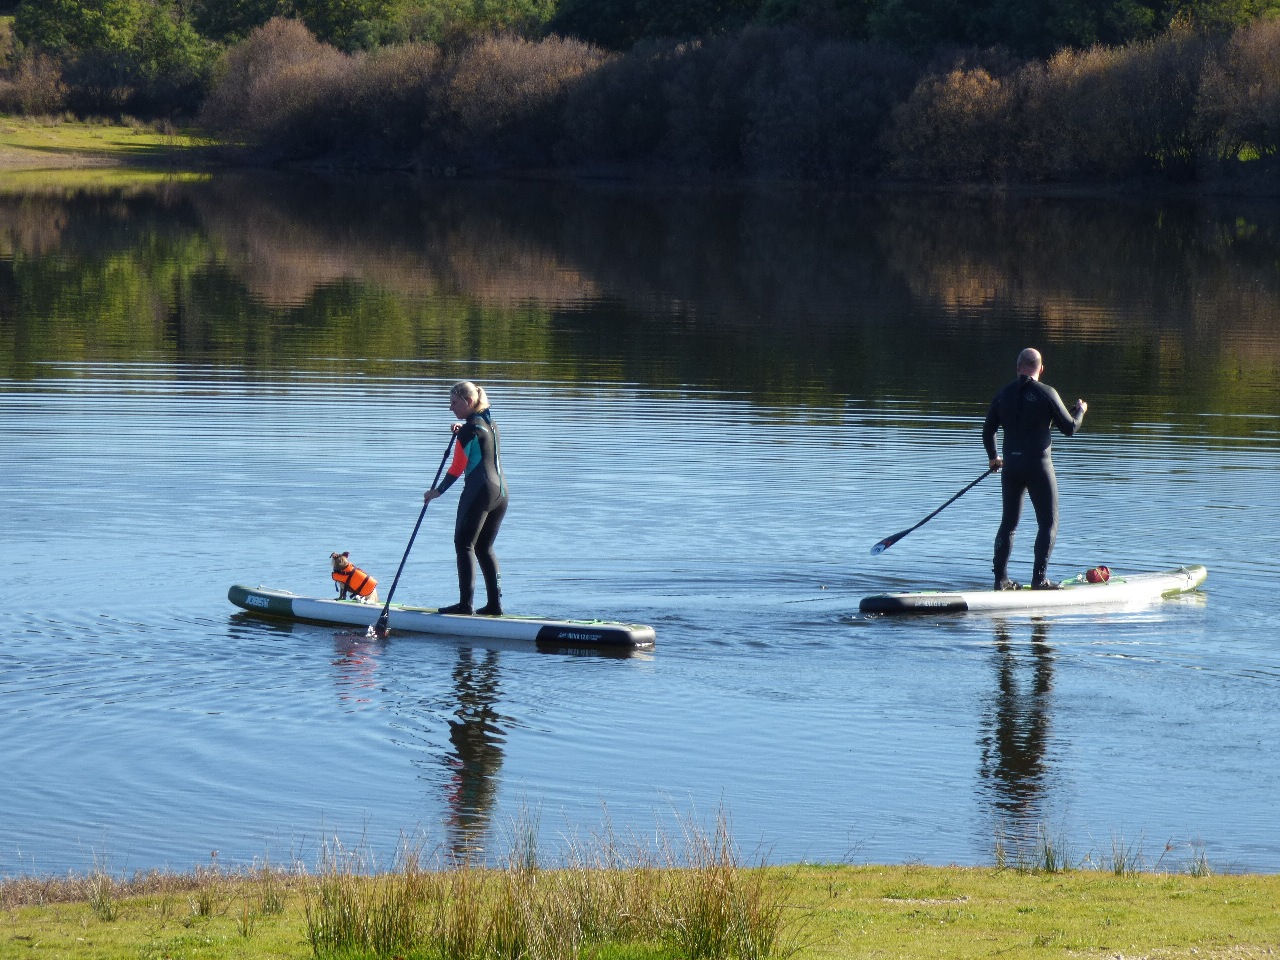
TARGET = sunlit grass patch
(76,180)
(51,142)
(686,896)
(959,912)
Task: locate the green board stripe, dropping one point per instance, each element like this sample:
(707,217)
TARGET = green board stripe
(251,600)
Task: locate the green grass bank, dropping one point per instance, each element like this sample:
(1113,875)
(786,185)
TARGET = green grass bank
(31,145)
(937,913)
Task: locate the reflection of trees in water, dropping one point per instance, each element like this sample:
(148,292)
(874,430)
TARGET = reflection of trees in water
(793,292)
(1014,764)
(476,735)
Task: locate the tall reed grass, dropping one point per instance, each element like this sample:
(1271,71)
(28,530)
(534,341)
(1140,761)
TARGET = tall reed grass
(693,898)
(100,891)
(1049,852)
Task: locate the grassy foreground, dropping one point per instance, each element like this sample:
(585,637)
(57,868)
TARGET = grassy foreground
(824,911)
(35,144)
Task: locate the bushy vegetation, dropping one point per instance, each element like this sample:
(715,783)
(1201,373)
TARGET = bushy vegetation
(410,104)
(113,56)
(692,900)
(763,102)
(841,90)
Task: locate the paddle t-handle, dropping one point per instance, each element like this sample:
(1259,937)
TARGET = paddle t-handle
(888,542)
(380,628)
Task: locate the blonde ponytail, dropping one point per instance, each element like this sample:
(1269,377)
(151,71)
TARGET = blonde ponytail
(475,396)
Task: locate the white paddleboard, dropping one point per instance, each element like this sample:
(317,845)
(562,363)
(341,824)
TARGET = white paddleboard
(562,634)
(1076,592)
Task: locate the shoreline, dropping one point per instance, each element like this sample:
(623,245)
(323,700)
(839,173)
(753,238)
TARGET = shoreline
(50,145)
(825,911)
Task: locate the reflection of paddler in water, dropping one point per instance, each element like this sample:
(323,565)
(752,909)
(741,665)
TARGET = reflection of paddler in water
(477,737)
(1014,747)
(476,734)
(483,502)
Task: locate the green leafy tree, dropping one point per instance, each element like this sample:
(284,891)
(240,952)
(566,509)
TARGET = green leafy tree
(119,53)
(227,21)
(166,49)
(1042,27)
(845,18)
(446,20)
(347,24)
(72,26)
(619,24)
(1031,27)
(1222,15)
(923,24)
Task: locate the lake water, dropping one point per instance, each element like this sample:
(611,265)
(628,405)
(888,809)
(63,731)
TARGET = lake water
(713,403)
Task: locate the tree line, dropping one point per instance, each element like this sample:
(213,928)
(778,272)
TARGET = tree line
(161,56)
(841,90)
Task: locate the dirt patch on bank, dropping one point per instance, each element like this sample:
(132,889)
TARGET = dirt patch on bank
(19,158)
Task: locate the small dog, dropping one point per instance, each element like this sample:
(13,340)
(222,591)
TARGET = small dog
(351,580)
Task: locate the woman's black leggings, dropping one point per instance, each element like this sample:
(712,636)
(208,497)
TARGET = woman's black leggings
(473,537)
(1036,478)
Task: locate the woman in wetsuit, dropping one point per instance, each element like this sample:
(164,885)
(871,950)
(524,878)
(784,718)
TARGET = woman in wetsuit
(483,502)
(1025,410)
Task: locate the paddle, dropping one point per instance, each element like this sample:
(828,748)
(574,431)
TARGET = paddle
(380,628)
(888,542)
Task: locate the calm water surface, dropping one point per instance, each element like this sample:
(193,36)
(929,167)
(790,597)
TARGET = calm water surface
(712,405)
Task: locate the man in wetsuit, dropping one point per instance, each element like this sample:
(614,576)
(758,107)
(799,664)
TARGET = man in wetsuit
(1026,410)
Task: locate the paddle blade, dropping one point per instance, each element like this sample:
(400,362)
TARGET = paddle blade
(379,629)
(888,542)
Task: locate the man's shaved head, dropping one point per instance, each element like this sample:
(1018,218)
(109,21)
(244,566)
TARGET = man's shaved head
(1029,361)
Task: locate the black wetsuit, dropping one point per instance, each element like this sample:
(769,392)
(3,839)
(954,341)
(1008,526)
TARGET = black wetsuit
(1026,410)
(481,506)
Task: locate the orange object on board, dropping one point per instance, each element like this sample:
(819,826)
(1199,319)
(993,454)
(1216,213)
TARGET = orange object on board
(356,580)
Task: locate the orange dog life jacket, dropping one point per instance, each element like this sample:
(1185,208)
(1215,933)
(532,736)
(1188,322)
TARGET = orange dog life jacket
(356,580)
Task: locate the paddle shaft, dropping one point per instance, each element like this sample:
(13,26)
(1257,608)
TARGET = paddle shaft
(888,542)
(380,628)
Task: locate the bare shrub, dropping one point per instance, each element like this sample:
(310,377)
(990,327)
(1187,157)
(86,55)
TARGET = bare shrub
(1238,110)
(1111,111)
(393,101)
(496,102)
(1072,116)
(617,112)
(275,86)
(34,86)
(712,95)
(505,95)
(767,101)
(827,113)
(951,128)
